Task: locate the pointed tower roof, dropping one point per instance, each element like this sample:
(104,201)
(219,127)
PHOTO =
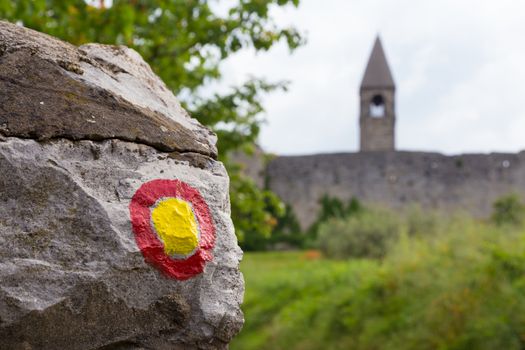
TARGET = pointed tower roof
(377,73)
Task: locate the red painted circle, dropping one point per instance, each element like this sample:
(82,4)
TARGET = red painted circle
(151,247)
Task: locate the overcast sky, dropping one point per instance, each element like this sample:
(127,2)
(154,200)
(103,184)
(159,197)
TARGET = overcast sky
(459,68)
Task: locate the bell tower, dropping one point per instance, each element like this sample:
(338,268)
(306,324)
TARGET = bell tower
(377,116)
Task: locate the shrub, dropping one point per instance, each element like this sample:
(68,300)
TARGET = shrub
(367,234)
(423,223)
(461,289)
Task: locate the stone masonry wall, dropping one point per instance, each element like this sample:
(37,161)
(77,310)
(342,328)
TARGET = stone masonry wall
(377,134)
(469,182)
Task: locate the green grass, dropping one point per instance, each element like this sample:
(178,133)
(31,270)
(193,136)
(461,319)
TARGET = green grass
(464,289)
(283,294)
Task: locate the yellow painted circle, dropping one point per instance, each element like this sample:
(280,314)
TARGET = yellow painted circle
(176,226)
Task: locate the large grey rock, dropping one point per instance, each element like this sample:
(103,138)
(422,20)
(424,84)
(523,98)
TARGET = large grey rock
(51,89)
(81,130)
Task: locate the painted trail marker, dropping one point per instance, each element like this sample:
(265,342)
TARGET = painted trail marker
(173,227)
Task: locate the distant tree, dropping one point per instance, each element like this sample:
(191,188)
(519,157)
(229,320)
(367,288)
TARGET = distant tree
(287,231)
(332,208)
(185,42)
(508,210)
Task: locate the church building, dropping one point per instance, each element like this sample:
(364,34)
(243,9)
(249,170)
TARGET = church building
(379,175)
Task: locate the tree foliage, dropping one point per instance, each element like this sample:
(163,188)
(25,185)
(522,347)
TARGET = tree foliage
(185,42)
(252,206)
(331,208)
(508,210)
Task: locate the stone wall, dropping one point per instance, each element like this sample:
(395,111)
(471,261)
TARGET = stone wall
(469,182)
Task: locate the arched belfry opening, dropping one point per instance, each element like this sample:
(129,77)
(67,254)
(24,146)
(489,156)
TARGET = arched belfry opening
(377,107)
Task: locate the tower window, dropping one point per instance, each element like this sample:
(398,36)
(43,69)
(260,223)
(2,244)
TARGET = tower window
(377,107)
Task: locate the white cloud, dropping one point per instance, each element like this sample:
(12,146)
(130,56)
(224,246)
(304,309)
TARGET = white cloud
(459,69)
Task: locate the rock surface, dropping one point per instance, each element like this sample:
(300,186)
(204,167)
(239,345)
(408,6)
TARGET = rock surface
(81,129)
(51,89)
